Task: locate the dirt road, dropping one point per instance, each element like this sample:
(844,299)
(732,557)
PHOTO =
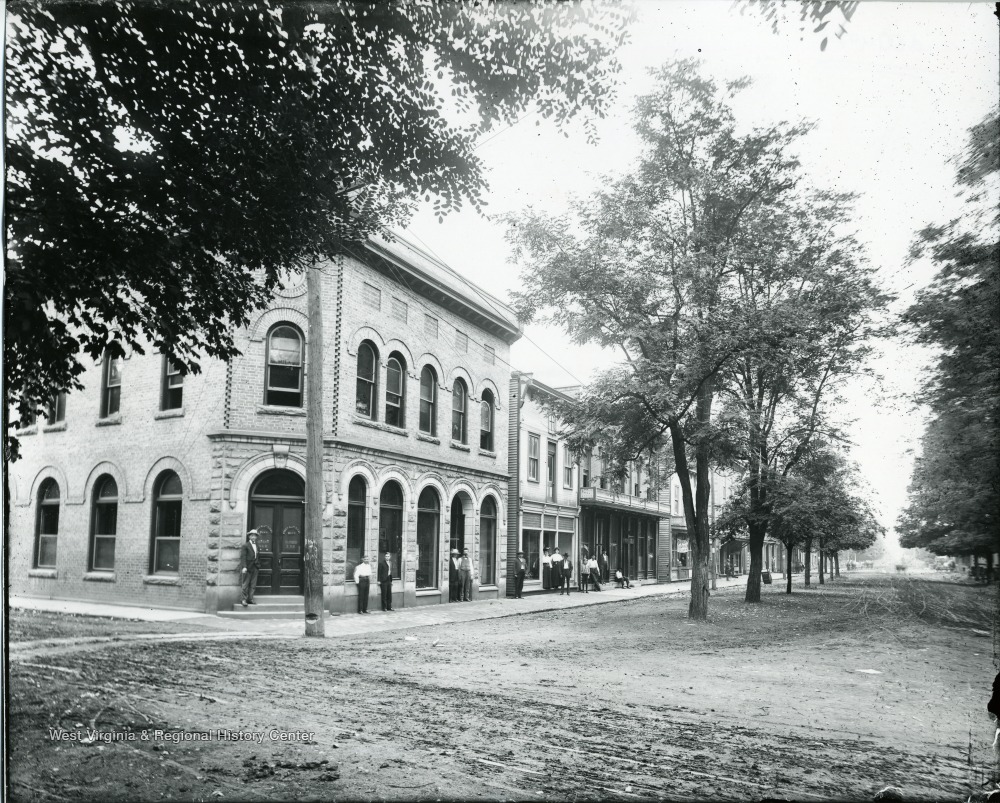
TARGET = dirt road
(831,693)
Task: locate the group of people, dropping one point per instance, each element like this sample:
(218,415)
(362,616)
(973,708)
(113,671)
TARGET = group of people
(557,572)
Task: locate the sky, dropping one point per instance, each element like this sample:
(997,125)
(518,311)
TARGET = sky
(892,100)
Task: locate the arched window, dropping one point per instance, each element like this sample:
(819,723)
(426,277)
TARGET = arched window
(104,525)
(47,525)
(284,367)
(357,492)
(366,401)
(486,422)
(395,391)
(428,537)
(165,551)
(428,401)
(488,542)
(390,526)
(458,428)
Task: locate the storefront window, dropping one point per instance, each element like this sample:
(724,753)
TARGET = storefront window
(529,545)
(487,542)
(355,525)
(681,552)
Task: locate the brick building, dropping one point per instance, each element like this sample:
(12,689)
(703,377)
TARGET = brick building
(140,488)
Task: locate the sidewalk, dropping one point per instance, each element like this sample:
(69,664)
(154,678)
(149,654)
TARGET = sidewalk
(352,624)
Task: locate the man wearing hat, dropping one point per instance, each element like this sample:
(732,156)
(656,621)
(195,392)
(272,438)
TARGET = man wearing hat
(454,565)
(520,570)
(363,579)
(249,567)
(465,570)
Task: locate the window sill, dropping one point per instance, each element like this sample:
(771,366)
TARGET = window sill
(50,574)
(293,412)
(177,412)
(488,453)
(161,580)
(366,422)
(59,426)
(32,430)
(460,446)
(532,481)
(109,421)
(428,592)
(428,438)
(490,587)
(99,577)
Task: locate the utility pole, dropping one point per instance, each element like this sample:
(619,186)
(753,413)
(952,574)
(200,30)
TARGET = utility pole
(313,552)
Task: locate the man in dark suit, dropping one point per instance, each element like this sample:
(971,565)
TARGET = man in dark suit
(566,565)
(454,586)
(249,567)
(385,582)
(520,570)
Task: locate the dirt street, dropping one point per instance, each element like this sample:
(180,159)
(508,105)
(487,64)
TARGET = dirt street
(832,693)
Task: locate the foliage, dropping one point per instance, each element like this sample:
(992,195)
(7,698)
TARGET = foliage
(166,161)
(818,14)
(651,266)
(954,494)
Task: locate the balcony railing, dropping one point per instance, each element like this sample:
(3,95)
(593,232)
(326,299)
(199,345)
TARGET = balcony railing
(609,498)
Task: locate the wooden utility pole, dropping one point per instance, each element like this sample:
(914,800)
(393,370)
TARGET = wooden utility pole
(313,547)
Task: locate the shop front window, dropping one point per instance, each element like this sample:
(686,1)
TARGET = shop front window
(530,547)
(428,537)
(390,526)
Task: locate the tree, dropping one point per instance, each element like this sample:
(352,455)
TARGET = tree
(809,301)
(647,266)
(954,493)
(166,161)
(818,13)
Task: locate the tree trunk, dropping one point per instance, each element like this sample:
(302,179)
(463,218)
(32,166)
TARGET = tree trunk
(808,566)
(836,563)
(313,542)
(788,569)
(757,532)
(989,567)
(822,562)
(696,505)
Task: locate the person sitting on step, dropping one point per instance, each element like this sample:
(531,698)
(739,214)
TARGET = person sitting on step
(622,579)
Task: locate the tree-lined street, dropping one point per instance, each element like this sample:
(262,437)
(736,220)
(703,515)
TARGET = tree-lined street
(830,694)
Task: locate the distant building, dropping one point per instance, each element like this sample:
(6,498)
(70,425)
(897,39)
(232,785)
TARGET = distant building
(140,488)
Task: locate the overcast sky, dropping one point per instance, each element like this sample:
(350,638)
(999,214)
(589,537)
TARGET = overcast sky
(892,99)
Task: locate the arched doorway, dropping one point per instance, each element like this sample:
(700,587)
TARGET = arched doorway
(457,540)
(277,509)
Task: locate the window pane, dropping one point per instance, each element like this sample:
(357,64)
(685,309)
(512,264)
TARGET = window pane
(394,377)
(366,362)
(104,553)
(47,552)
(168,555)
(48,520)
(171,485)
(363,398)
(529,543)
(114,372)
(109,489)
(50,490)
(355,530)
(113,400)
(168,516)
(106,519)
(282,377)
(285,347)
(280,483)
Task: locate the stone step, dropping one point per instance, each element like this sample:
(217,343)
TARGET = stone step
(290,605)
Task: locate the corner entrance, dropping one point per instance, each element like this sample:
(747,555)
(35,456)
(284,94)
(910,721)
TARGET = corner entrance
(277,512)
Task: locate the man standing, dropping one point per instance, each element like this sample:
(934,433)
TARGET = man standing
(546,569)
(453,584)
(465,576)
(567,573)
(385,582)
(249,566)
(584,575)
(520,570)
(363,578)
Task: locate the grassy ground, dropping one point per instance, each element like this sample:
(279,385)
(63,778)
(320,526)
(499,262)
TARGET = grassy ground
(830,693)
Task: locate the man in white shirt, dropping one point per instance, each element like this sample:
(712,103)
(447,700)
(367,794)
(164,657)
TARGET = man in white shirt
(363,579)
(249,566)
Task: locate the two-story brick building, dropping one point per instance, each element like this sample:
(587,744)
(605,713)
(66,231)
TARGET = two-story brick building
(140,488)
